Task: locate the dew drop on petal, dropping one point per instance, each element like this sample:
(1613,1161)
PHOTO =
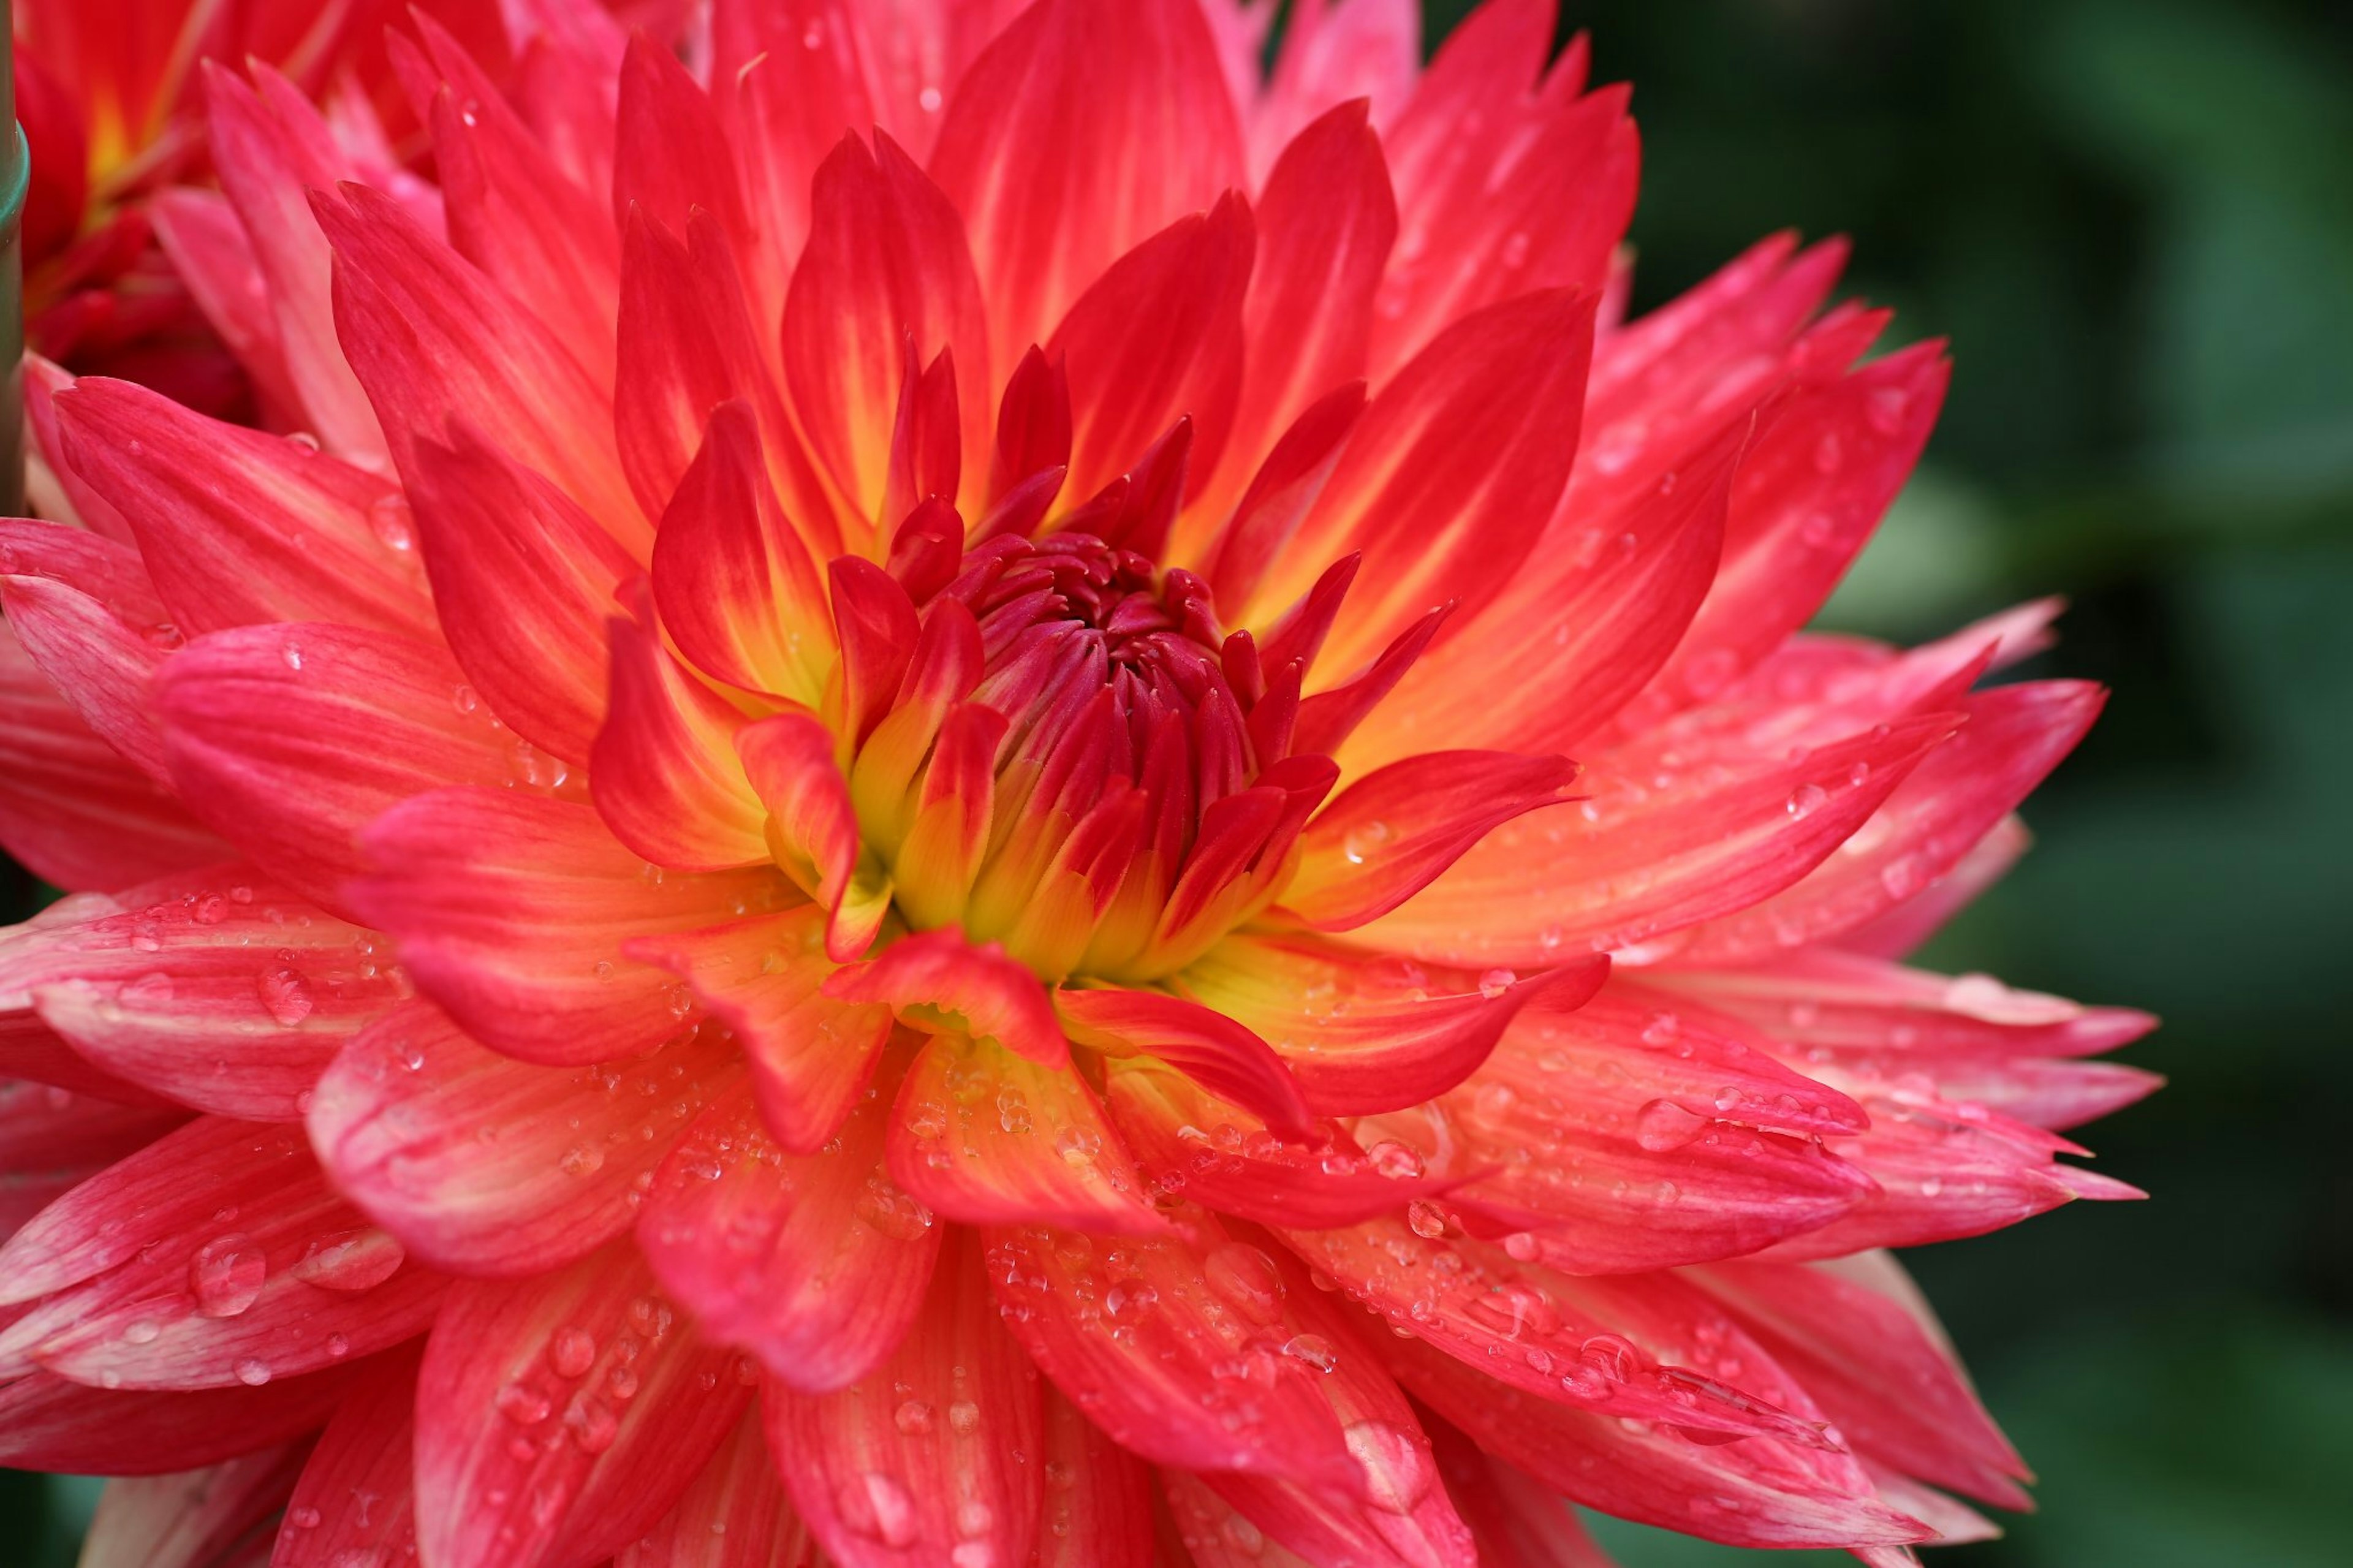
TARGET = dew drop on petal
(875,1506)
(1246,1279)
(226,1275)
(1397,1472)
(572,1352)
(1663,1126)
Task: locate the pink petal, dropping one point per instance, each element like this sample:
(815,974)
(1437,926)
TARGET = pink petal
(513,910)
(733,1515)
(1637,1133)
(932,1449)
(814,1263)
(293,738)
(218,989)
(485,1165)
(1075,135)
(354,1495)
(1517,1521)
(939,982)
(985,1137)
(1218,1052)
(1363,1031)
(240,528)
(812,827)
(190,1519)
(83,608)
(49,1424)
(1097,1510)
(559,1417)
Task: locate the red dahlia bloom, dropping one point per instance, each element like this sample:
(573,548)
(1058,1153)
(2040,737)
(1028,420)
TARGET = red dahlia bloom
(872,854)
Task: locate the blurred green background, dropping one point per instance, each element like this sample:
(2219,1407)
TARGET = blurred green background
(2134,221)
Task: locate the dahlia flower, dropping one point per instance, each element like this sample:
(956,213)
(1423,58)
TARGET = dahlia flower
(870,855)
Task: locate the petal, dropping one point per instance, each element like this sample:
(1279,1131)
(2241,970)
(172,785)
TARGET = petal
(1389,834)
(931,1450)
(1188,1348)
(1896,1393)
(1097,1510)
(812,827)
(1220,1054)
(1157,338)
(47,1423)
(1363,1031)
(72,810)
(512,911)
(293,738)
(218,989)
(355,1495)
(663,772)
(885,265)
(733,578)
(1518,1522)
(433,340)
(1080,131)
(671,154)
(1637,1133)
(240,528)
(733,1515)
(559,1417)
(1435,488)
(1651,849)
(524,580)
(485,1165)
(169,1294)
(2015,735)
(985,1137)
(814,1263)
(939,982)
(190,1519)
(1219,1156)
(811,1056)
(82,607)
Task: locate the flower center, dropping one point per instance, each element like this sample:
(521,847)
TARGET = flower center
(1080,765)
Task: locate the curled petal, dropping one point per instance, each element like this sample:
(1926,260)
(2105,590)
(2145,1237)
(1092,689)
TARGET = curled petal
(664,771)
(1218,1052)
(940,984)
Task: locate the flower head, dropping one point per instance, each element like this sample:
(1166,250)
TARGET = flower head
(871,847)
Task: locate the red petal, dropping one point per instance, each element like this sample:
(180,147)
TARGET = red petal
(433,341)
(1517,1521)
(524,580)
(985,1137)
(293,738)
(512,911)
(1223,1056)
(885,264)
(1653,849)
(71,809)
(1157,338)
(734,580)
(354,1496)
(193,1518)
(932,1449)
(664,773)
(82,607)
(49,1424)
(671,154)
(485,1165)
(1388,836)
(733,1515)
(812,827)
(1098,1504)
(1365,1031)
(240,528)
(1073,135)
(939,982)
(814,1263)
(218,989)
(1637,1133)
(1435,488)
(559,1417)
(811,1056)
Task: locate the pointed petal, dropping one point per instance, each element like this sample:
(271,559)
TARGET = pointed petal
(47,1423)
(1097,1510)
(663,771)
(1073,135)
(939,982)
(218,989)
(985,1137)
(364,1454)
(1219,1053)
(1363,1031)
(559,1417)
(240,528)
(485,1165)
(816,1263)
(512,911)
(190,1519)
(293,738)
(733,1515)
(83,608)
(812,828)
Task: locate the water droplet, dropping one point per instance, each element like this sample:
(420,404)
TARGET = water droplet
(878,1508)
(1522,1247)
(1313,1349)
(1428,1220)
(142,1333)
(1396,1473)
(973,1517)
(1663,1126)
(1807,799)
(1246,1279)
(522,1405)
(1496,982)
(388,520)
(892,1212)
(303,1518)
(291,656)
(929,101)
(226,1275)
(1398,1162)
(913,1418)
(594,1426)
(963,1417)
(572,1352)
(251,1373)
(285,994)
(1363,840)
(350,1260)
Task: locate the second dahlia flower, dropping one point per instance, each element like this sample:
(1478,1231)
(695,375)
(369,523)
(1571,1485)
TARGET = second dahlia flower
(873,855)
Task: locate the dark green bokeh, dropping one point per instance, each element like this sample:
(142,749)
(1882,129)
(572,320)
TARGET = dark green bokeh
(2134,221)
